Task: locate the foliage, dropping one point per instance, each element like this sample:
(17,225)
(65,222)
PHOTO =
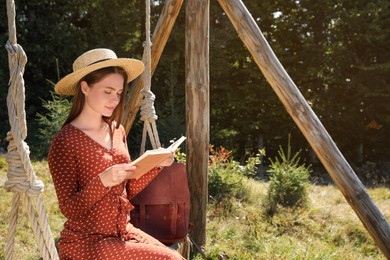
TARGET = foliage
(51,122)
(251,164)
(26,246)
(180,156)
(3,163)
(224,179)
(336,53)
(288,180)
(328,229)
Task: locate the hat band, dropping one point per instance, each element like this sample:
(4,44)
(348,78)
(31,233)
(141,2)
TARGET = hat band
(98,61)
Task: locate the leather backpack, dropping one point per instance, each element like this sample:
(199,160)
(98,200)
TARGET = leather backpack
(162,208)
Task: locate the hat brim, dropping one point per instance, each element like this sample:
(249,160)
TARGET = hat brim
(67,85)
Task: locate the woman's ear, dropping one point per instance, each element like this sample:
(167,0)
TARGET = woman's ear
(84,87)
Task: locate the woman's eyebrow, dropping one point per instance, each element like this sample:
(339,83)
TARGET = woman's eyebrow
(114,89)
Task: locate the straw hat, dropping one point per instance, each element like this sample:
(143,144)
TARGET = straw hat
(93,60)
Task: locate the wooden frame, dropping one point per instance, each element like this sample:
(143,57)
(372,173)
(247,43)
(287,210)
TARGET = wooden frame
(197,111)
(307,121)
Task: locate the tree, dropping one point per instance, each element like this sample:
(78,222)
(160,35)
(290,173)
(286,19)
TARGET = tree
(332,53)
(51,31)
(336,53)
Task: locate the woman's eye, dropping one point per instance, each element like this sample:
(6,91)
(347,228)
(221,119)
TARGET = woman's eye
(107,92)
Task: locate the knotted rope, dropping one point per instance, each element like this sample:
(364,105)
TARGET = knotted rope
(148,113)
(22,180)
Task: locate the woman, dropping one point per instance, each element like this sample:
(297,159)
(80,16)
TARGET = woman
(89,163)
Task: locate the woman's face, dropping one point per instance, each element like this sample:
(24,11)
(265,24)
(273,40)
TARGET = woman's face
(103,97)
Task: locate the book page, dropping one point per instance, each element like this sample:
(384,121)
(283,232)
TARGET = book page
(173,147)
(153,158)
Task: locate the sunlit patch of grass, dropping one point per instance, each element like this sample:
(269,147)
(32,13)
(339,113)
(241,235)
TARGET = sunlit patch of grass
(239,227)
(25,246)
(381,197)
(327,228)
(49,196)
(380,193)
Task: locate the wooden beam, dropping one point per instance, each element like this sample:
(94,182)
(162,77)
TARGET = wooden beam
(159,39)
(197,111)
(319,139)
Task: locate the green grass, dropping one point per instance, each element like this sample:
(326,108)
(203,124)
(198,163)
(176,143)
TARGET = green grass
(327,228)
(25,246)
(240,228)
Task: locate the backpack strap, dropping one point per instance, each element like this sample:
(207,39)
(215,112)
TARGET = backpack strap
(142,216)
(174,207)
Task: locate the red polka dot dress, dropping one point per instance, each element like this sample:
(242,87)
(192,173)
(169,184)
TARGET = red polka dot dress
(97,225)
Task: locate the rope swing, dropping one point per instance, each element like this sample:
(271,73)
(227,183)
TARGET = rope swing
(22,180)
(148,112)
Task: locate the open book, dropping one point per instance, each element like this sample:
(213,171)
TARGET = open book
(152,158)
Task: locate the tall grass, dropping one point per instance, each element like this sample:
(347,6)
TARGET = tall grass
(25,243)
(238,226)
(326,229)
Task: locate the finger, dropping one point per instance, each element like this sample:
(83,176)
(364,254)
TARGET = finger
(121,178)
(125,174)
(125,167)
(129,174)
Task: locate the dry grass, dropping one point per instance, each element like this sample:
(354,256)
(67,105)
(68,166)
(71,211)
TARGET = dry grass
(327,229)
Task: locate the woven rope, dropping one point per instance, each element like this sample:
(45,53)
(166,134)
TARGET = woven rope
(22,179)
(148,112)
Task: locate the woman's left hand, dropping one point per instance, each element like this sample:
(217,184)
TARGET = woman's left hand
(168,161)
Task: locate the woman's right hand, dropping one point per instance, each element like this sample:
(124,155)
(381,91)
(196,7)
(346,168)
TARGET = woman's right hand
(116,174)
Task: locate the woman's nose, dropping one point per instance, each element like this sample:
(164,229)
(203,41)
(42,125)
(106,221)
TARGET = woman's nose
(115,99)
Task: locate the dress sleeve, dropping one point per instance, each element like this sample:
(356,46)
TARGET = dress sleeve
(73,201)
(135,186)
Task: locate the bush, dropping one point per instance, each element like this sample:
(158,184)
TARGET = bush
(180,156)
(288,180)
(225,177)
(251,165)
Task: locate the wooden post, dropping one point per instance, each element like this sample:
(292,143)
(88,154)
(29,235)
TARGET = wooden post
(159,39)
(197,111)
(296,105)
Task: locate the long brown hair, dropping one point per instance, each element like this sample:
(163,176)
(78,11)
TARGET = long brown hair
(94,77)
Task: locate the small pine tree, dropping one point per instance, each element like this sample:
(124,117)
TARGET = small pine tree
(288,180)
(50,123)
